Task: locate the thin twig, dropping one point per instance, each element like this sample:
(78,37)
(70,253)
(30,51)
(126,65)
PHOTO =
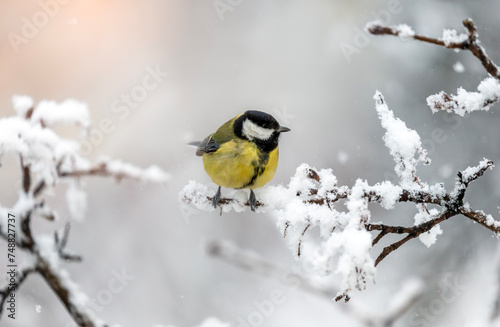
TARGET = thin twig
(471,44)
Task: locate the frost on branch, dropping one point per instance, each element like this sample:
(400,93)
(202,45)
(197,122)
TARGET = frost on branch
(47,159)
(463,102)
(404,31)
(451,36)
(345,241)
(466,102)
(403,143)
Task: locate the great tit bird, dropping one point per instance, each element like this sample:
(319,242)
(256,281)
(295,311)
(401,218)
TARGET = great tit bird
(242,153)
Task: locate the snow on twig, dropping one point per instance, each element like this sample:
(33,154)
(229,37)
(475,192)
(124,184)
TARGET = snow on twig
(463,102)
(46,159)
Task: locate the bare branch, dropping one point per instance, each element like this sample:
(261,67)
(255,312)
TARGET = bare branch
(471,43)
(80,315)
(61,246)
(26,175)
(481,218)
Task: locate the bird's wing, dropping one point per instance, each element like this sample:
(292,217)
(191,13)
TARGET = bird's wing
(213,141)
(208,145)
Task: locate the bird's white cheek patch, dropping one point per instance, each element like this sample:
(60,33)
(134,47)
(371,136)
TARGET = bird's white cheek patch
(254,131)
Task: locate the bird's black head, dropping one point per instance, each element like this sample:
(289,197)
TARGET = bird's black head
(260,128)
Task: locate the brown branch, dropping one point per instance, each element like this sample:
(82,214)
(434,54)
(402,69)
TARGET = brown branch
(482,219)
(300,240)
(26,175)
(413,232)
(39,188)
(61,246)
(79,315)
(471,44)
(26,229)
(99,170)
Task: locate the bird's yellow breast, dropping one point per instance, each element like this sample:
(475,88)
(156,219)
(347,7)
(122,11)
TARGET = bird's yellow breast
(240,164)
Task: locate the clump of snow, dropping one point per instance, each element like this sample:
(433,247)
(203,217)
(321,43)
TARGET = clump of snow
(47,249)
(490,221)
(50,113)
(38,308)
(373,25)
(122,169)
(197,194)
(404,32)
(422,216)
(214,322)
(355,264)
(404,144)
(388,192)
(458,67)
(451,36)
(469,172)
(22,104)
(466,102)
(76,199)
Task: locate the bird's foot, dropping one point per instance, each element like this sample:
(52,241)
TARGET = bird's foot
(252,200)
(216,198)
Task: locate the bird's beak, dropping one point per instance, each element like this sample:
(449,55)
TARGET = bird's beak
(283,129)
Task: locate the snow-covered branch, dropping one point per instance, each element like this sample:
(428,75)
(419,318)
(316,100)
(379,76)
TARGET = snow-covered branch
(451,39)
(311,199)
(46,159)
(464,101)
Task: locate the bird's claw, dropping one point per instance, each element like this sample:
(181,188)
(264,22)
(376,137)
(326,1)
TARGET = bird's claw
(216,198)
(252,200)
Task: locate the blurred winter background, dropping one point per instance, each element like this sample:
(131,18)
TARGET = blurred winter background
(283,57)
